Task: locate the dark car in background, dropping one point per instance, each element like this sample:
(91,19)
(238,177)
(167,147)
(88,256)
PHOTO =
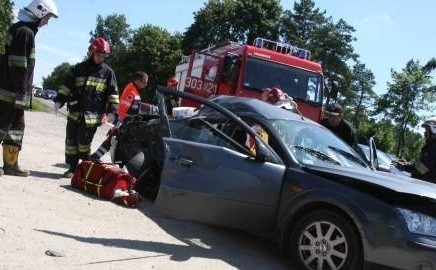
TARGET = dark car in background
(49,94)
(385,162)
(245,164)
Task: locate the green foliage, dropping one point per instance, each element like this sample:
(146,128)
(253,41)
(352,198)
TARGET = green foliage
(5,21)
(154,51)
(256,18)
(362,95)
(38,106)
(329,42)
(115,29)
(410,93)
(57,77)
(413,144)
(212,25)
(240,21)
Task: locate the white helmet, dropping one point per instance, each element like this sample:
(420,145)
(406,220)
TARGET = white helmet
(431,124)
(41,8)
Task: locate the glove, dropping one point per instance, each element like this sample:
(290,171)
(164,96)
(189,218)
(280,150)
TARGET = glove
(111,118)
(56,107)
(113,132)
(402,164)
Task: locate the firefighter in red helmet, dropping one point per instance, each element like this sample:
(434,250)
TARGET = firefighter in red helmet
(277,97)
(90,91)
(17,64)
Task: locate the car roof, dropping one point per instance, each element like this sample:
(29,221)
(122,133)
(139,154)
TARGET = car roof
(246,105)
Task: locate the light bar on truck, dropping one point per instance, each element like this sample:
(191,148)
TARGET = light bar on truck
(285,48)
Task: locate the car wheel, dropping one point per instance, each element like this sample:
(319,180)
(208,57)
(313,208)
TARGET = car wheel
(325,240)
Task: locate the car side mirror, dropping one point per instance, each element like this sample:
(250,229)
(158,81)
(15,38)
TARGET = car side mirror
(373,154)
(262,153)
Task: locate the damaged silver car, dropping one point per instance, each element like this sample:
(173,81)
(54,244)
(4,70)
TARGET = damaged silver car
(245,164)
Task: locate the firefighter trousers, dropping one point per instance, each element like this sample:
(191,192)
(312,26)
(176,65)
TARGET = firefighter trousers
(78,141)
(11,125)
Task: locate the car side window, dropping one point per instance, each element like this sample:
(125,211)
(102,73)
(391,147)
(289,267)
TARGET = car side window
(247,141)
(205,129)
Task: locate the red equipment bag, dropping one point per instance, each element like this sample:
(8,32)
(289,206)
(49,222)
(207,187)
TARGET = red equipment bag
(107,181)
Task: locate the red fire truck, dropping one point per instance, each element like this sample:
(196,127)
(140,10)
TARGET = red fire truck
(245,70)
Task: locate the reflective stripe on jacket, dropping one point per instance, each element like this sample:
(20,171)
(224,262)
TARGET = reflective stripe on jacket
(18,62)
(90,90)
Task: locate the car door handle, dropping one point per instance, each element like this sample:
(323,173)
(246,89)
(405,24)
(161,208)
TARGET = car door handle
(184,162)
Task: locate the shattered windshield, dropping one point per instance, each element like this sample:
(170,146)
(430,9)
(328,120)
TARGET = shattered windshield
(301,84)
(314,145)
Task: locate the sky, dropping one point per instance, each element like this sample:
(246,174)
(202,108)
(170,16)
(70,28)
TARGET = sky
(389,32)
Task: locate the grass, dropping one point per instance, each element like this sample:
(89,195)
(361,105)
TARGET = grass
(37,106)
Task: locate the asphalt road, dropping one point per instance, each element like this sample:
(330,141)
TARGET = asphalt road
(42,216)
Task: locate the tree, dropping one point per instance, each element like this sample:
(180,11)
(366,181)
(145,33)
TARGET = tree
(239,21)
(256,18)
(115,29)
(212,25)
(410,92)
(57,77)
(298,26)
(363,97)
(5,21)
(329,42)
(154,51)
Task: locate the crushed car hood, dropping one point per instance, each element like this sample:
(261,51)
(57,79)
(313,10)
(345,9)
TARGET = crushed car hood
(395,182)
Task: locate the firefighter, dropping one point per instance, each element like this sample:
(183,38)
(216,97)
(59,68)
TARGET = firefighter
(91,91)
(424,168)
(280,99)
(16,78)
(338,125)
(130,105)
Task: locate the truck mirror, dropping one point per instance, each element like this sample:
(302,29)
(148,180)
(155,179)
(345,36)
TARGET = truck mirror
(230,69)
(334,89)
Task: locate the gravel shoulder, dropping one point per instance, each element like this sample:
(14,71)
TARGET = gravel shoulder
(42,212)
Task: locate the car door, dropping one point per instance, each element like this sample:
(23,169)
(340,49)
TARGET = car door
(206,178)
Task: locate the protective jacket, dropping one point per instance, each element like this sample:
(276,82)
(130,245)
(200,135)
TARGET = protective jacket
(17,64)
(344,130)
(130,101)
(90,90)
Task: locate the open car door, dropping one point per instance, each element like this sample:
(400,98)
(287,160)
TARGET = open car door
(209,177)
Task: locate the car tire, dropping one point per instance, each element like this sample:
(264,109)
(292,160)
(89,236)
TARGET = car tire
(328,238)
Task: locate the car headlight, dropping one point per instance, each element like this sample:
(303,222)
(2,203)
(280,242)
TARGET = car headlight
(419,223)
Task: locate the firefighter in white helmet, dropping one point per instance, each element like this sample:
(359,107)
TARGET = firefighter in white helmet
(424,168)
(16,73)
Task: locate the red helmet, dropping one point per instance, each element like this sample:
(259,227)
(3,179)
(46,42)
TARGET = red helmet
(99,45)
(275,95)
(172,82)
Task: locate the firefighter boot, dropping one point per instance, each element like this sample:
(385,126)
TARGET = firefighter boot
(10,161)
(71,169)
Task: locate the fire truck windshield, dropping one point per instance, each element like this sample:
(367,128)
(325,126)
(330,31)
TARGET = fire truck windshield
(300,84)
